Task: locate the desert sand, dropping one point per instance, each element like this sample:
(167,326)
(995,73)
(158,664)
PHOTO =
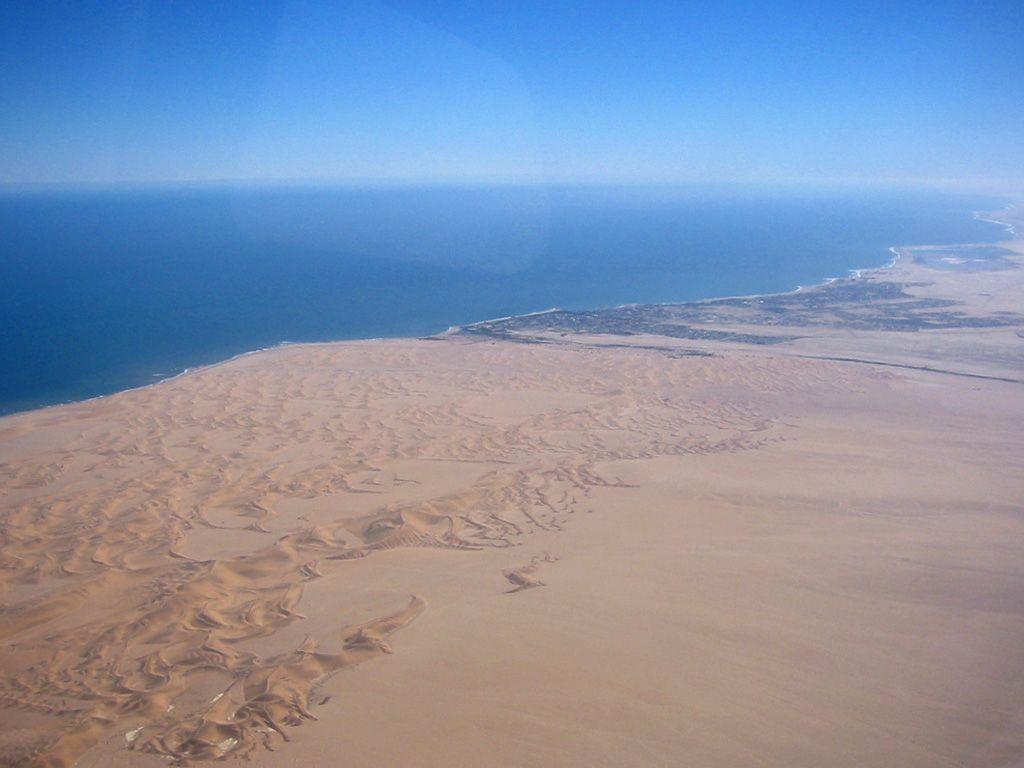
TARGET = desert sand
(598,550)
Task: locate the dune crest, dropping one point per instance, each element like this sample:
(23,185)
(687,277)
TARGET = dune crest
(152,539)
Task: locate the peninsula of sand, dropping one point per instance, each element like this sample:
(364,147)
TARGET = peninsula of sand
(767,531)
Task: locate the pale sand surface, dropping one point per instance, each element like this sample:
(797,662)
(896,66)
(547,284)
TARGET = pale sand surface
(483,553)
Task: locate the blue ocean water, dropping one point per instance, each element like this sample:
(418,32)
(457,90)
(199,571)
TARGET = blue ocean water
(102,290)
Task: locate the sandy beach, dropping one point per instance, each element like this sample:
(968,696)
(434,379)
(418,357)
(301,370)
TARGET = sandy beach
(790,537)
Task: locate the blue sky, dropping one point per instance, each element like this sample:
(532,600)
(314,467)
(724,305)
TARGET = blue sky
(515,91)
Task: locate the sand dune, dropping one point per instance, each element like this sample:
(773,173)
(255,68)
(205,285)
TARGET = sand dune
(750,558)
(142,543)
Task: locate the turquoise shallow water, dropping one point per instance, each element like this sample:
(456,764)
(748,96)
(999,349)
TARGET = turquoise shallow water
(103,290)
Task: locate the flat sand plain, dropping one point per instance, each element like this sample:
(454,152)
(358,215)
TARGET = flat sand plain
(477,552)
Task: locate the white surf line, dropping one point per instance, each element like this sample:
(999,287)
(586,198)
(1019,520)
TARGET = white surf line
(855,274)
(1007,226)
(851,274)
(183,372)
(456,328)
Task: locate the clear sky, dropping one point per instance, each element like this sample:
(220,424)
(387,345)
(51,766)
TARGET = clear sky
(519,90)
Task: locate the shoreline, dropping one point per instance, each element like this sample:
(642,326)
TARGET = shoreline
(855,273)
(1008,227)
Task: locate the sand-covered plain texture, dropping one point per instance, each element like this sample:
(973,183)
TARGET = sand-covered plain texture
(589,550)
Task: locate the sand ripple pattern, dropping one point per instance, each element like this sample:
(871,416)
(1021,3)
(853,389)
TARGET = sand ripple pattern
(124,607)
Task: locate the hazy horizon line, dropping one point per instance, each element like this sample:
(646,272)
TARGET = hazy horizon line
(1000,187)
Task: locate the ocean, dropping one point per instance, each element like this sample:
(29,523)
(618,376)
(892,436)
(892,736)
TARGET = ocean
(107,289)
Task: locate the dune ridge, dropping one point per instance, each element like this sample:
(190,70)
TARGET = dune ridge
(109,612)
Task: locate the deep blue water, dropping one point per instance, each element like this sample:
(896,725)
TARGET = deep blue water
(105,290)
